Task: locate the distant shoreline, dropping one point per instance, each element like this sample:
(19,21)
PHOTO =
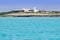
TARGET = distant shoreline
(30,14)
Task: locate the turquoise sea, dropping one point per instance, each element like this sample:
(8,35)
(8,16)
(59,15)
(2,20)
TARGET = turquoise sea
(30,28)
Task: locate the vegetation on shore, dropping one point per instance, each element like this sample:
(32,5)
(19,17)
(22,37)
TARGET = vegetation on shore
(2,14)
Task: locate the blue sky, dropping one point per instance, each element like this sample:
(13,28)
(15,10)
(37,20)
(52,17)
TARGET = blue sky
(6,5)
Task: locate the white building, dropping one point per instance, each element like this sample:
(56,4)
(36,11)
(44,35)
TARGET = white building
(27,9)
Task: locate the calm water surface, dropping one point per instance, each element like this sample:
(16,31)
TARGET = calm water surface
(30,28)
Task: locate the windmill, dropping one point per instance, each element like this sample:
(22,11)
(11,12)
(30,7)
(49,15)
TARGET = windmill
(35,10)
(34,5)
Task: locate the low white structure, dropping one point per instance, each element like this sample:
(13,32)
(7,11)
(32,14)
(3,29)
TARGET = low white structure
(28,9)
(25,9)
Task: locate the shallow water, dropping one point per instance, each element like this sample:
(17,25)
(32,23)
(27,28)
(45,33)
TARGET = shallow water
(30,28)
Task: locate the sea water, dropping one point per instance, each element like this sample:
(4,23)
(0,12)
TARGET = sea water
(30,28)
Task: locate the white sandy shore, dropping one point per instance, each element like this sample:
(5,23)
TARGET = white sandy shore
(27,14)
